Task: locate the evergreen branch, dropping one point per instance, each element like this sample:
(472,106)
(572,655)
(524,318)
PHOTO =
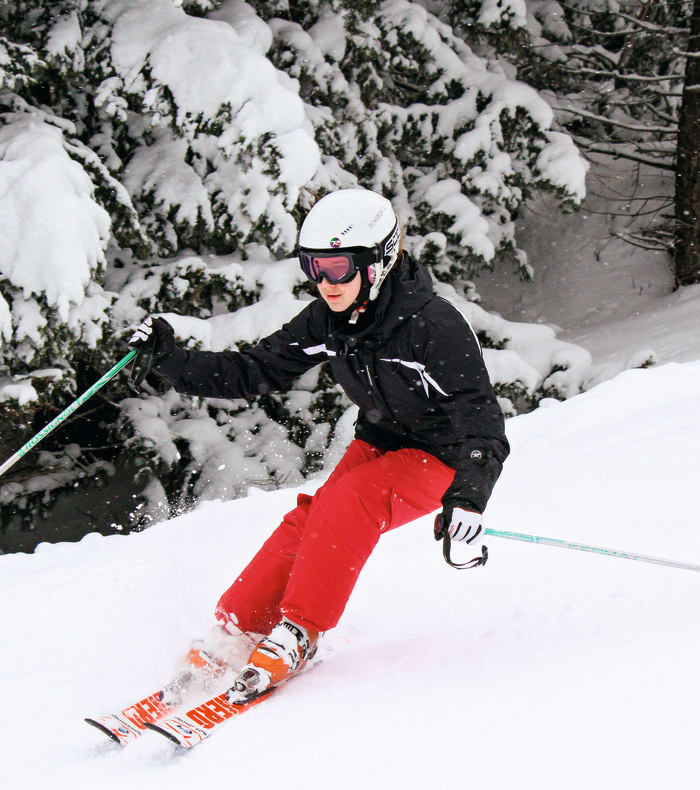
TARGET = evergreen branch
(646,26)
(641,146)
(659,114)
(629,214)
(631,199)
(402,82)
(594,116)
(626,103)
(630,31)
(593,53)
(650,27)
(636,241)
(660,232)
(644,102)
(618,76)
(656,163)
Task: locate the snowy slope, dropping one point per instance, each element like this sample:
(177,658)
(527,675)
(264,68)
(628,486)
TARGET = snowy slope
(546,669)
(668,326)
(596,290)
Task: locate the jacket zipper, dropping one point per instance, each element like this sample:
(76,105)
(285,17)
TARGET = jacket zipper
(376,394)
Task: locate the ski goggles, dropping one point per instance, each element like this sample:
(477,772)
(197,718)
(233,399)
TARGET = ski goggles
(334,265)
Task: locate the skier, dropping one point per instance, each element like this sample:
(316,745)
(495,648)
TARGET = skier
(429,434)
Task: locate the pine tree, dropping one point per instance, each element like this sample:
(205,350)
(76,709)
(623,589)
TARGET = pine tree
(185,141)
(687,195)
(623,76)
(411,110)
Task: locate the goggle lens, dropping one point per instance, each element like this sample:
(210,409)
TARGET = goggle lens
(335,268)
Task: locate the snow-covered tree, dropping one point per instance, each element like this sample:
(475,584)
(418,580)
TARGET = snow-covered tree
(158,156)
(622,77)
(52,261)
(404,106)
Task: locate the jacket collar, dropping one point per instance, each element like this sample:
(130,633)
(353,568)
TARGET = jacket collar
(404,292)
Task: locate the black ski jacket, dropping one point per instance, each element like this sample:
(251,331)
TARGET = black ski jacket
(412,364)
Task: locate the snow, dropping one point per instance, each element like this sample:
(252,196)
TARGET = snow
(251,30)
(213,101)
(591,288)
(214,66)
(161,169)
(665,329)
(445,197)
(54,233)
(553,668)
(546,668)
(329,35)
(561,164)
(64,38)
(494,11)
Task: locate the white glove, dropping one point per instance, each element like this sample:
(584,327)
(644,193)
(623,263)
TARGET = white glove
(464,525)
(143,333)
(154,339)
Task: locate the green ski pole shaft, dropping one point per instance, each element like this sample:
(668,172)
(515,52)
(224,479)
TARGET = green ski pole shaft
(565,544)
(77,403)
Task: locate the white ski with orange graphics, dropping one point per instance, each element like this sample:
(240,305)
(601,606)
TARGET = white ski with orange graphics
(203,720)
(129,724)
(190,728)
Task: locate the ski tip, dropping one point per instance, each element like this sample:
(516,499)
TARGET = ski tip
(105,730)
(168,735)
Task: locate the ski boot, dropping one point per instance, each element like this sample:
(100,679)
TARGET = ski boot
(281,655)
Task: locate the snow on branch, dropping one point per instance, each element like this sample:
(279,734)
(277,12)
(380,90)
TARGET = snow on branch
(625,77)
(58,235)
(494,12)
(604,119)
(561,164)
(638,23)
(613,150)
(234,127)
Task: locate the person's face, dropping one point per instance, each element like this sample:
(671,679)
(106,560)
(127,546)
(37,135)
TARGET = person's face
(341,295)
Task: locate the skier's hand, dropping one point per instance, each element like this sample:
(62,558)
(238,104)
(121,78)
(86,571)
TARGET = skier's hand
(151,331)
(155,339)
(461,524)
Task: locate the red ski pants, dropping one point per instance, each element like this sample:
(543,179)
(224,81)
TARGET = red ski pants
(308,567)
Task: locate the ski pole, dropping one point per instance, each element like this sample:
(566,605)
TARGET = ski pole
(565,544)
(68,411)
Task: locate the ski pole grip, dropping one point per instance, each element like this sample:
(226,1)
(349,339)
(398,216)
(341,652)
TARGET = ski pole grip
(442,533)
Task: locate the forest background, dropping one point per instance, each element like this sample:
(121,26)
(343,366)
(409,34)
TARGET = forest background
(159,156)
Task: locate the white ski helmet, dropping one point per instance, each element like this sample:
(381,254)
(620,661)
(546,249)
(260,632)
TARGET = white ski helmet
(354,221)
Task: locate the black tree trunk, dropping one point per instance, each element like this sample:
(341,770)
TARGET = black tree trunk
(687,248)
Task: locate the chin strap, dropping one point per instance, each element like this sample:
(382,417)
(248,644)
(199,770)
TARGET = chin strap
(357,312)
(374,290)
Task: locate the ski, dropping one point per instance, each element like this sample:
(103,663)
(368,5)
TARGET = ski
(129,724)
(191,728)
(200,722)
